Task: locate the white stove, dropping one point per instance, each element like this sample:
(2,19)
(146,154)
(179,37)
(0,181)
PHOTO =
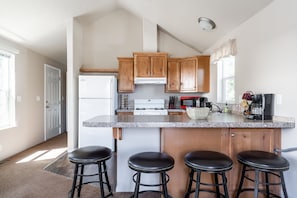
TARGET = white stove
(150,107)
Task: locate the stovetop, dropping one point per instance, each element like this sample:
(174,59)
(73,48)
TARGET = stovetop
(149,107)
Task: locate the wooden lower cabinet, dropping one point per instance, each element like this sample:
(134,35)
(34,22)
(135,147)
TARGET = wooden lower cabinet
(177,113)
(178,141)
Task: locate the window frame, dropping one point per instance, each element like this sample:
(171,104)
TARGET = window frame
(222,81)
(8,96)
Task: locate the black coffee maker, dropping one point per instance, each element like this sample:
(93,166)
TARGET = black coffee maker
(203,101)
(262,107)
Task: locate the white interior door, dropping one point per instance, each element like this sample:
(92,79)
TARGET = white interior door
(52,103)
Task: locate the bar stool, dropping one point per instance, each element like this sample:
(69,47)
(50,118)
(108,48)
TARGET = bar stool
(210,162)
(151,162)
(86,156)
(261,161)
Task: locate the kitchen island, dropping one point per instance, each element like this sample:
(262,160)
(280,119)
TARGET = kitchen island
(226,133)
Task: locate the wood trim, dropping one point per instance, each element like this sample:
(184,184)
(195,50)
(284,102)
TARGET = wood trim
(117,133)
(98,70)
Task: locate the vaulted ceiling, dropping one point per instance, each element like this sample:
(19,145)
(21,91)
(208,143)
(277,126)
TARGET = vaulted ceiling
(41,24)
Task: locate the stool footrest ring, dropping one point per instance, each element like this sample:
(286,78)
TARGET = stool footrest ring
(147,191)
(150,185)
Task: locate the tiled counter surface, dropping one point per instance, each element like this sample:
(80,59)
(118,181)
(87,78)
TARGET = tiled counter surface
(214,120)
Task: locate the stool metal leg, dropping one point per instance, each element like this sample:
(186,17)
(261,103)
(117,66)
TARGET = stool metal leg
(164,186)
(137,184)
(197,184)
(256,183)
(106,177)
(74,180)
(191,176)
(283,184)
(267,185)
(224,178)
(241,181)
(217,186)
(100,180)
(80,179)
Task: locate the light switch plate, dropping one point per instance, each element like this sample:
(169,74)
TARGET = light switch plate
(19,98)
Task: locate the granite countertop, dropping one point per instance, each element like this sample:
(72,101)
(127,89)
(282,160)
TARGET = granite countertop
(214,120)
(169,110)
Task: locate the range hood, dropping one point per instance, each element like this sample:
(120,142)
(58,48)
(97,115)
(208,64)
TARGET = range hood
(146,80)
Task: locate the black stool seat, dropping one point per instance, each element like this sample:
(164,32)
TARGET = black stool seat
(81,157)
(151,162)
(261,161)
(208,161)
(90,154)
(211,162)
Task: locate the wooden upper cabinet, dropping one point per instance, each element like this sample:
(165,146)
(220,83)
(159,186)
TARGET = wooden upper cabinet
(203,73)
(126,75)
(188,74)
(173,75)
(150,64)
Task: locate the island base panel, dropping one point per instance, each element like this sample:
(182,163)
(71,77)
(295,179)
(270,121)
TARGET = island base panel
(179,141)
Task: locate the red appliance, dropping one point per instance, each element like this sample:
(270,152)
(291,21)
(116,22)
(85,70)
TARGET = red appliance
(189,101)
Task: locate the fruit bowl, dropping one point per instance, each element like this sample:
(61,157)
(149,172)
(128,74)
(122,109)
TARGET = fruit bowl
(197,113)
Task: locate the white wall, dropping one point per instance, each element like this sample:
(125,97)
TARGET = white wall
(29,75)
(266,62)
(167,43)
(74,62)
(117,34)
(150,36)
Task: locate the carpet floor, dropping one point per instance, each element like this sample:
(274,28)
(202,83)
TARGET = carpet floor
(35,173)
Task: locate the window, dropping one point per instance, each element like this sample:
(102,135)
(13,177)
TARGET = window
(7,90)
(226,81)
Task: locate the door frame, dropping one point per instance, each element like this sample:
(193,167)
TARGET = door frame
(44,102)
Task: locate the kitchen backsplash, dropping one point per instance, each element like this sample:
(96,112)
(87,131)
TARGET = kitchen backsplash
(152,92)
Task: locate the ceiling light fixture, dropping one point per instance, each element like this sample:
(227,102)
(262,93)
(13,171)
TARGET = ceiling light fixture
(206,23)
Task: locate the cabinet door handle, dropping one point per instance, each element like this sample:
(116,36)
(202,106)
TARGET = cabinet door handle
(232,135)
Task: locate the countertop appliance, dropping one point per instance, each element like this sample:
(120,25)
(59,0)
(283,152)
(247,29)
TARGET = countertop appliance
(203,101)
(189,101)
(149,107)
(262,107)
(97,96)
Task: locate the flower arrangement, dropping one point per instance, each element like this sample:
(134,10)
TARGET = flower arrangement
(246,102)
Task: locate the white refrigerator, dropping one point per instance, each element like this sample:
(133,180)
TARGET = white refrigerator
(97,96)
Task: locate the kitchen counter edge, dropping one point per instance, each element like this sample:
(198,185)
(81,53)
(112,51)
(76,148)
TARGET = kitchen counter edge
(224,120)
